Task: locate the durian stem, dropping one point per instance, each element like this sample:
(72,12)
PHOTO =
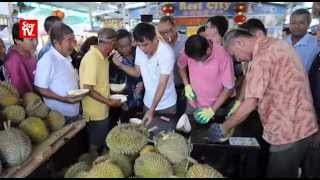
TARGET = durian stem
(5,125)
(153,128)
(192,160)
(151,141)
(9,123)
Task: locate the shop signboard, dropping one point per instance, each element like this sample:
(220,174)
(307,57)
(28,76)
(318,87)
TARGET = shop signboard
(207,9)
(113,23)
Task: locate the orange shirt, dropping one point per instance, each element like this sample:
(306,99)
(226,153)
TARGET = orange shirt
(277,78)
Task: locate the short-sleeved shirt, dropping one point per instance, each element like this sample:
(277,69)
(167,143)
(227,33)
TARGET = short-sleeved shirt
(94,70)
(307,48)
(19,70)
(276,77)
(44,49)
(134,100)
(178,47)
(56,73)
(209,78)
(161,63)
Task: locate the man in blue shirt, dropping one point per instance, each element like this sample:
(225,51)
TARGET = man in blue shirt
(48,24)
(134,86)
(305,44)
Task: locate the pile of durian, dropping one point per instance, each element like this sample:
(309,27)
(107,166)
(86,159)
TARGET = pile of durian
(132,154)
(27,120)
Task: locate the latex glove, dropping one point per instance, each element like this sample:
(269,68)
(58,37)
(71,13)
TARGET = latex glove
(189,93)
(234,108)
(203,115)
(215,133)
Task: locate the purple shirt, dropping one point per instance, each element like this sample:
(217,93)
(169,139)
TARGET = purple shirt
(20,70)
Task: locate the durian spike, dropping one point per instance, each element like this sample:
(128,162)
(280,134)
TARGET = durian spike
(151,141)
(119,123)
(5,125)
(101,159)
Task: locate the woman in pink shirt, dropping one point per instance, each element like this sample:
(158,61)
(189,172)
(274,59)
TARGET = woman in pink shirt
(20,63)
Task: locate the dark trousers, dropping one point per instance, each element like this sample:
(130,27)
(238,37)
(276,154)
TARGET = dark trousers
(285,160)
(98,131)
(181,101)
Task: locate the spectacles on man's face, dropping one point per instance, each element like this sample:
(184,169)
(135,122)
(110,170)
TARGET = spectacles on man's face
(107,40)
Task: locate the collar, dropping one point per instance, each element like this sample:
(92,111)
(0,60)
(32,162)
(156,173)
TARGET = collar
(95,49)
(303,41)
(59,56)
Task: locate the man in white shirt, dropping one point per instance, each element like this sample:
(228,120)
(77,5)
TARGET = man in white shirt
(168,30)
(55,75)
(155,62)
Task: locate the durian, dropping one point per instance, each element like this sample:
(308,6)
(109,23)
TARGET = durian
(55,120)
(181,169)
(147,149)
(15,113)
(127,139)
(105,169)
(173,146)
(76,168)
(121,161)
(15,146)
(8,94)
(152,165)
(203,171)
(41,111)
(35,128)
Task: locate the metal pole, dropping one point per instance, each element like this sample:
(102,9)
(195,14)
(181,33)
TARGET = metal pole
(10,21)
(90,18)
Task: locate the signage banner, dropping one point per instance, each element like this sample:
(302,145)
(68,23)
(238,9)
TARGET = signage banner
(207,9)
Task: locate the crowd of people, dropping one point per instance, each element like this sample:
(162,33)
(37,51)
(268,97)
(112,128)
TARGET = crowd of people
(170,73)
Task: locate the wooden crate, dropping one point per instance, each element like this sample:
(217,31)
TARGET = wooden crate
(42,152)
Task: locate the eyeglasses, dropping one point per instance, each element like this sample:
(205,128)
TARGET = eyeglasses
(106,40)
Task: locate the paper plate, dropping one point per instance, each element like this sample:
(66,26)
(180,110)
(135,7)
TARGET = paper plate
(117,87)
(135,121)
(123,98)
(78,92)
